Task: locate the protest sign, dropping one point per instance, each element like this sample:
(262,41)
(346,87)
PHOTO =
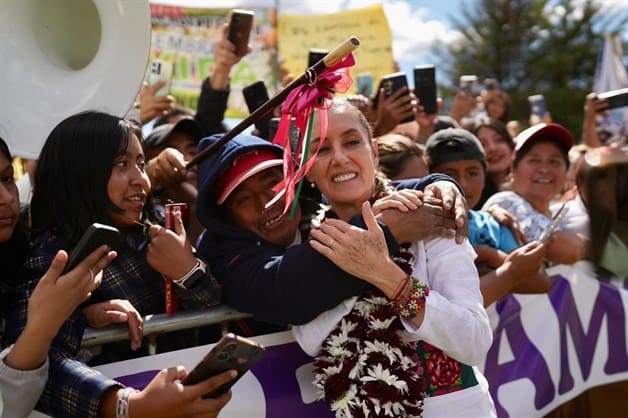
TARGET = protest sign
(298,34)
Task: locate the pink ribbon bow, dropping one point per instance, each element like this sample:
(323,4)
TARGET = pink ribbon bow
(300,103)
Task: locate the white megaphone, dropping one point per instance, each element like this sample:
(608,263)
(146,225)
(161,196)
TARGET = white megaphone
(60,57)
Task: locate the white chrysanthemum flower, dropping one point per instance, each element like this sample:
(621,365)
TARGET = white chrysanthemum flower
(381,347)
(407,363)
(341,339)
(376,324)
(347,401)
(347,326)
(379,374)
(378,300)
(331,370)
(363,307)
(397,409)
(360,364)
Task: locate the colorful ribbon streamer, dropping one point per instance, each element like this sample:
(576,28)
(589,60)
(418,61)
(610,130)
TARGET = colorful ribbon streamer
(300,105)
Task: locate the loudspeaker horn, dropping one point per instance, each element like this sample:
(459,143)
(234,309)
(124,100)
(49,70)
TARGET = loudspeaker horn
(60,57)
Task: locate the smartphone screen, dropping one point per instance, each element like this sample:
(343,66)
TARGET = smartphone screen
(255,95)
(240,25)
(469,84)
(160,70)
(537,105)
(425,87)
(232,352)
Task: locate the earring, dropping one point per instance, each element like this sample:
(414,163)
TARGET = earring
(313,185)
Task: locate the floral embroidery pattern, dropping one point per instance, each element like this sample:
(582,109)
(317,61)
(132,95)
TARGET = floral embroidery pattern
(443,373)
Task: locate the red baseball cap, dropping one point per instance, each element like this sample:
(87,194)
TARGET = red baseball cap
(547,131)
(242,168)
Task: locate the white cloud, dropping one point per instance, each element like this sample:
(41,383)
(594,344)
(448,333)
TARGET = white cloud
(413,34)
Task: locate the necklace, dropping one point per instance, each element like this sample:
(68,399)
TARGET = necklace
(365,368)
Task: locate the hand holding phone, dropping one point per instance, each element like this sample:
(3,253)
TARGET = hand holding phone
(160,70)
(232,352)
(615,98)
(425,87)
(391,83)
(240,25)
(96,235)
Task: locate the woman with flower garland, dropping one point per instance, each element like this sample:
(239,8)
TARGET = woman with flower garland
(408,346)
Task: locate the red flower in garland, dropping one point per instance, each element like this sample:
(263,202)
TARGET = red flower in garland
(365,369)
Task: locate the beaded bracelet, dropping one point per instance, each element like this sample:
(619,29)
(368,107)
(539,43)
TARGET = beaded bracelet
(414,302)
(122,406)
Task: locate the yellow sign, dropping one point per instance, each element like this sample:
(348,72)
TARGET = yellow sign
(297,34)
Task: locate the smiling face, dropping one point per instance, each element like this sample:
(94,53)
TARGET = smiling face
(540,174)
(498,153)
(344,170)
(128,185)
(245,208)
(9,199)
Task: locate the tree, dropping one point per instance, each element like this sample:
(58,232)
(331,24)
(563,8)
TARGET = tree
(532,47)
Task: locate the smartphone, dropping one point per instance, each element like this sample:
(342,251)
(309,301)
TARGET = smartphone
(255,95)
(556,220)
(425,87)
(315,55)
(469,84)
(231,352)
(615,98)
(240,25)
(160,70)
(96,235)
(391,83)
(364,84)
(537,105)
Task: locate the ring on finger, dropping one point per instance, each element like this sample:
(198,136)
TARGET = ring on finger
(331,243)
(91,275)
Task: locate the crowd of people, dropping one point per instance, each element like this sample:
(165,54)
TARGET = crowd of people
(367,255)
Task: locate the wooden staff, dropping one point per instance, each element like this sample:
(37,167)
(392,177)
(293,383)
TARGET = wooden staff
(329,60)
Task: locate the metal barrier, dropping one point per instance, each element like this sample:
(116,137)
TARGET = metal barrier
(162,323)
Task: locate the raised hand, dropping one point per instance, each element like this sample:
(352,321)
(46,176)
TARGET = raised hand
(169,252)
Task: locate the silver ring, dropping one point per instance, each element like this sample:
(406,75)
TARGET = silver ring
(91,275)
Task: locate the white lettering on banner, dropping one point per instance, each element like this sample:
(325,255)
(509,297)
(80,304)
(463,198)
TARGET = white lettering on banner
(547,349)
(560,343)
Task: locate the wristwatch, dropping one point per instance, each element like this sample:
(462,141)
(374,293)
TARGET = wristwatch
(194,276)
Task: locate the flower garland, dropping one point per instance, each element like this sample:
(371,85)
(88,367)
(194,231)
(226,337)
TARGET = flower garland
(365,369)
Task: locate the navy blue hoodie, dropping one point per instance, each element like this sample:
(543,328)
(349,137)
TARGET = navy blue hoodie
(275,284)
